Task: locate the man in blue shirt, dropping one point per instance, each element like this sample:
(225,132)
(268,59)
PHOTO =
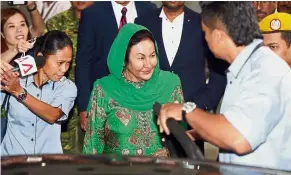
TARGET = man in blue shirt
(251,128)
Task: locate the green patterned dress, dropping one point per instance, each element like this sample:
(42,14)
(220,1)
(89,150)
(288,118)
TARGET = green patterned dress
(121,119)
(72,136)
(118,130)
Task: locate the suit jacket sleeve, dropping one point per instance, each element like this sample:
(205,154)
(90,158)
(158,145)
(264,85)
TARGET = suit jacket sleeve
(208,97)
(86,55)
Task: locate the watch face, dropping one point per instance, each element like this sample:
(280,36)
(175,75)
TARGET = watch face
(22,96)
(189,107)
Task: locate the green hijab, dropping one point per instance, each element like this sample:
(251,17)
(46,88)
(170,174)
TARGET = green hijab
(158,88)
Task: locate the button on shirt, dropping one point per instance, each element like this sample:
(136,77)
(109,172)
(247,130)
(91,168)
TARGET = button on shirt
(131,13)
(26,132)
(253,105)
(172,33)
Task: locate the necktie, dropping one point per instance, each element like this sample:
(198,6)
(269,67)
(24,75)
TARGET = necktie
(123,18)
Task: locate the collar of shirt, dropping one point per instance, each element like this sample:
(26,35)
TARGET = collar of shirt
(30,80)
(131,13)
(178,20)
(172,34)
(243,57)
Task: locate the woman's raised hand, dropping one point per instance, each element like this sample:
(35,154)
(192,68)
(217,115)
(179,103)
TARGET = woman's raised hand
(23,46)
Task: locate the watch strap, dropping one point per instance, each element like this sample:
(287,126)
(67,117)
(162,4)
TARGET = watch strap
(184,116)
(33,8)
(22,96)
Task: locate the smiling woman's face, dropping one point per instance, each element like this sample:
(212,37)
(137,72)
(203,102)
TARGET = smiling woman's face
(142,61)
(15,29)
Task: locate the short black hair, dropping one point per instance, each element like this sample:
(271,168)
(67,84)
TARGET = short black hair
(51,42)
(135,39)
(238,19)
(286,36)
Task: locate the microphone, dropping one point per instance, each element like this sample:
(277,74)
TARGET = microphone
(28,64)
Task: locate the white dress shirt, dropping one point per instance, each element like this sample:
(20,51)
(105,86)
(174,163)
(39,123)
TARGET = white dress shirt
(131,13)
(172,32)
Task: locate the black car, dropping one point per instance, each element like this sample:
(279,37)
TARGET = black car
(187,159)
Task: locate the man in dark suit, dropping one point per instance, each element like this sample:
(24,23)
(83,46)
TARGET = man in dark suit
(98,28)
(182,50)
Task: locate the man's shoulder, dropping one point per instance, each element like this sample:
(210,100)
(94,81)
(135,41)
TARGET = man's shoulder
(66,84)
(146,5)
(268,66)
(192,15)
(99,7)
(60,16)
(266,58)
(61,21)
(148,18)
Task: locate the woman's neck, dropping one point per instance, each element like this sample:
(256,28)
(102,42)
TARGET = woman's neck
(40,78)
(130,77)
(10,47)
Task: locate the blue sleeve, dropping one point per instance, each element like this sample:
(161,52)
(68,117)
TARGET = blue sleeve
(208,96)
(257,109)
(64,98)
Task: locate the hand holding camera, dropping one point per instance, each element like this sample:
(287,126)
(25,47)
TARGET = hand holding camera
(23,46)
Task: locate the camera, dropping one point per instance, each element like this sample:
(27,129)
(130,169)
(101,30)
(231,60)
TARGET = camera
(14,3)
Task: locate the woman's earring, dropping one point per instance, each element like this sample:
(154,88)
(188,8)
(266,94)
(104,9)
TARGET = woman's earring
(2,35)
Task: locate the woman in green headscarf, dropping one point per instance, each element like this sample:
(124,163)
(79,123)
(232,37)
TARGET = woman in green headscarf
(121,119)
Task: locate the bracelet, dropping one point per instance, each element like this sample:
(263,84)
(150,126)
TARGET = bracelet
(34,8)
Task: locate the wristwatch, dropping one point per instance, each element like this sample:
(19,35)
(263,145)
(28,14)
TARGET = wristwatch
(187,108)
(34,8)
(22,96)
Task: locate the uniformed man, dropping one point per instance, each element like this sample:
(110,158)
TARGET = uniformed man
(276,29)
(68,21)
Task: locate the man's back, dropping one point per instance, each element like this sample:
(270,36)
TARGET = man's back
(252,104)
(285,150)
